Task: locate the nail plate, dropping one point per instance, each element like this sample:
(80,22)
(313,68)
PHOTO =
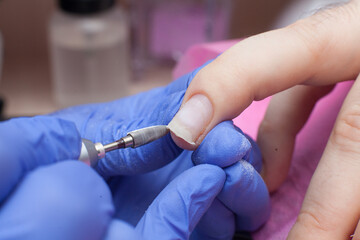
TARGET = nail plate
(192,118)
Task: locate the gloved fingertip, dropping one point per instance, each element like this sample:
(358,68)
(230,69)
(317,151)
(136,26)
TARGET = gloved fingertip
(254,157)
(233,144)
(245,193)
(121,230)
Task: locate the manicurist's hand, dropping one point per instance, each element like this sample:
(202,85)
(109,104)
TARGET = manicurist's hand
(206,194)
(318,51)
(45,193)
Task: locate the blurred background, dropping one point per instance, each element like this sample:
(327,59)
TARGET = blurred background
(59,53)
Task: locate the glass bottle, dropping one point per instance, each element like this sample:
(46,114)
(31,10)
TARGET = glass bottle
(89,52)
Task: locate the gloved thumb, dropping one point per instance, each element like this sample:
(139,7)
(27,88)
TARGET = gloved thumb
(179,207)
(26,143)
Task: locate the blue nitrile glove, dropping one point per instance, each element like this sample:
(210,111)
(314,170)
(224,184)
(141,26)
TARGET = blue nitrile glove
(243,203)
(107,122)
(178,208)
(26,143)
(68,201)
(44,196)
(41,198)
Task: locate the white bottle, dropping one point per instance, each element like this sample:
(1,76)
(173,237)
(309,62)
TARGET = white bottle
(89,52)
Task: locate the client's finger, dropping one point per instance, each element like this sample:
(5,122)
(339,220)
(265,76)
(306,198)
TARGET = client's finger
(331,208)
(320,50)
(286,115)
(179,207)
(356,235)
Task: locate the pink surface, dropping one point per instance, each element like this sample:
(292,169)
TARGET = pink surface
(177,25)
(197,55)
(310,144)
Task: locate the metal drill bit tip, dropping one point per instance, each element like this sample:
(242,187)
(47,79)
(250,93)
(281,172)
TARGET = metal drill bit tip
(138,137)
(114,145)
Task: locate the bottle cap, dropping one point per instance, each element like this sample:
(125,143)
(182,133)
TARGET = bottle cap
(85,6)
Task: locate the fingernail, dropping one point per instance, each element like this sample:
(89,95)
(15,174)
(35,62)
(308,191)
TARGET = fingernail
(192,118)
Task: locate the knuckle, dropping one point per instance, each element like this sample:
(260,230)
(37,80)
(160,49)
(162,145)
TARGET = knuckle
(309,222)
(308,219)
(346,133)
(317,218)
(317,32)
(314,43)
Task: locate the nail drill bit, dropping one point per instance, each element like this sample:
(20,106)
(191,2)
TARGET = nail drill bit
(92,152)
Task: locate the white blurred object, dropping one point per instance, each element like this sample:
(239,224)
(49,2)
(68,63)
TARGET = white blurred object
(90,53)
(301,9)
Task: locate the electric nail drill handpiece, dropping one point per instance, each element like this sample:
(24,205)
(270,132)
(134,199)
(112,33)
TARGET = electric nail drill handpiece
(92,152)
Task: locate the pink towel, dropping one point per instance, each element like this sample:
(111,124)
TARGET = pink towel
(310,143)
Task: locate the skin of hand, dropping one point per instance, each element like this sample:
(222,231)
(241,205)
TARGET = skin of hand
(286,115)
(319,51)
(226,147)
(330,209)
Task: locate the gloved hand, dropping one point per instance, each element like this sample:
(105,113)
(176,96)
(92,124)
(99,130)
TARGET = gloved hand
(55,202)
(243,201)
(43,196)
(48,202)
